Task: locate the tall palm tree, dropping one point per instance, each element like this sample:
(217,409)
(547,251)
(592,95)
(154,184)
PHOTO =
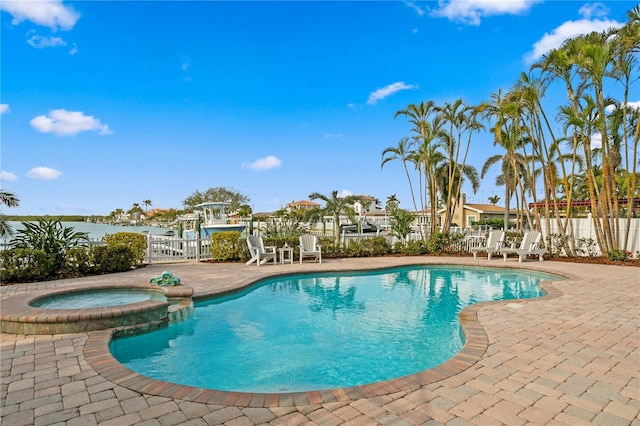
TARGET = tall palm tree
(401,152)
(426,124)
(462,120)
(335,206)
(146,203)
(10,200)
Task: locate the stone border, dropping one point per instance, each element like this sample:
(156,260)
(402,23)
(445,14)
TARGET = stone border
(99,357)
(20,317)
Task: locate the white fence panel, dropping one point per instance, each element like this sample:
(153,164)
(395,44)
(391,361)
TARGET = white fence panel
(583,228)
(167,249)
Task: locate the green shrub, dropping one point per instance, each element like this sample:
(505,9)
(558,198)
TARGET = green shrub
(113,258)
(136,242)
(227,246)
(80,261)
(412,248)
(25,265)
(619,255)
(444,242)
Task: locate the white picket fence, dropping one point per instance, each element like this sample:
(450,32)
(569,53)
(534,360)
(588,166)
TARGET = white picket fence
(162,248)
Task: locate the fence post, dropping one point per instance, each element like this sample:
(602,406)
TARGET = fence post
(197,247)
(149,249)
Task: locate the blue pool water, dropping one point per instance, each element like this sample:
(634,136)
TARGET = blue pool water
(303,332)
(97,298)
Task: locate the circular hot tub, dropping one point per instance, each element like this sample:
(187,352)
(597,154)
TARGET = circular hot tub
(129,309)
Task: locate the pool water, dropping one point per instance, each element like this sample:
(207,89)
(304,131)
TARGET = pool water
(97,298)
(303,332)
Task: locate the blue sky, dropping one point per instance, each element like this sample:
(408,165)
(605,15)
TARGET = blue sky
(108,103)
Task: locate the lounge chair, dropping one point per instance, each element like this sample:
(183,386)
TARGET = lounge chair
(530,245)
(259,253)
(309,247)
(494,244)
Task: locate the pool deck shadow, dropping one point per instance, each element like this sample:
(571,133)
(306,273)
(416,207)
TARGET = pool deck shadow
(571,357)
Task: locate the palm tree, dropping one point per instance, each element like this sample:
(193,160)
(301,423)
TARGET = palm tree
(10,200)
(401,152)
(494,199)
(462,120)
(426,124)
(135,211)
(146,203)
(336,206)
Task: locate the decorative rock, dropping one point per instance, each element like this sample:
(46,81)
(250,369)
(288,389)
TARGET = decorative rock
(166,279)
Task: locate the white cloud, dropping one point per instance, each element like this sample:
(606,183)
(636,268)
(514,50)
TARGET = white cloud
(44,173)
(418,9)
(331,136)
(74,50)
(345,193)
(634,105)
(40,42)
(596,140)
(8,176)
(586,25)
(388,91)
(4,108)
(266,163)
(47,13)
(471,12)
(68,123)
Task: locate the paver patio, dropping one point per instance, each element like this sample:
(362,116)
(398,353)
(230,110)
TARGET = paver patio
(570,358)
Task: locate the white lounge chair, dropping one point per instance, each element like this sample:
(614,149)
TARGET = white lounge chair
(259,253)
(309,247)
(494,244)
(530,245)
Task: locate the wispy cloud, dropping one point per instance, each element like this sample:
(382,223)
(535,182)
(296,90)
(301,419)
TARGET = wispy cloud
(345,193)
(47,13)
(589,23)
(8,176)
(4,108)
(332,136)
(68,123)
(266,163)
(45,173)
(471,12)
(388,91)
(420,11)
(40,42)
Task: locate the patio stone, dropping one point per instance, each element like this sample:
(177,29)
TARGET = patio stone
(570,358)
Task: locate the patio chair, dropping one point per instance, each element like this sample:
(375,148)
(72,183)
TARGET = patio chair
(258,252)
(530,245)
(494,244)
(309,247)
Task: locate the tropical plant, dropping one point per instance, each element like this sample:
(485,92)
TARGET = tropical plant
(401,221)
(135,211)
(336,206)
(146,203)
(494,199)
(10,200)
(52,237)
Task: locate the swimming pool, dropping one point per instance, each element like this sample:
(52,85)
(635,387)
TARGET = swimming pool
(303,332)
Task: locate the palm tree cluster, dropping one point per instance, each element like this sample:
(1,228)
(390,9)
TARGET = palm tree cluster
(563,161)
(438,149)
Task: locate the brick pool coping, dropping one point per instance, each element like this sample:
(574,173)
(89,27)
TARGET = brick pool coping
(99,357)
(19,316)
